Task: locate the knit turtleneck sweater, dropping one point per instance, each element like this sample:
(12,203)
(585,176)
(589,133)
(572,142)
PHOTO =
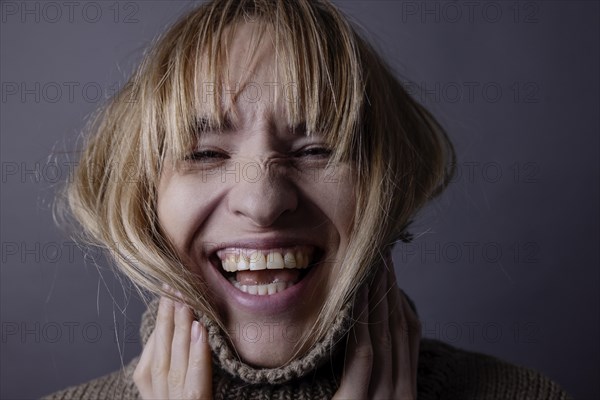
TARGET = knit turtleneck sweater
(444,372)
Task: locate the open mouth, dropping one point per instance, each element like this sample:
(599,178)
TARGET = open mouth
(265,272)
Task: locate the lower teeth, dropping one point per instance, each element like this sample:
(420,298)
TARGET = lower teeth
(262,290)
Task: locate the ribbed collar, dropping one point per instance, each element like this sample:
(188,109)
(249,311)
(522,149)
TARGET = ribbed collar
(224,357)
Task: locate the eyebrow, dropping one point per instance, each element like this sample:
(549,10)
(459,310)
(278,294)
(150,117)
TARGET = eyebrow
(299,129)
(210,125)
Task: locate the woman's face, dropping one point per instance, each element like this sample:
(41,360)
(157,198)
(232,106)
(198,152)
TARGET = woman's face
(256,213)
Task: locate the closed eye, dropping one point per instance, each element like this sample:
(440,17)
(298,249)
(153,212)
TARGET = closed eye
(207,156)
(314,151)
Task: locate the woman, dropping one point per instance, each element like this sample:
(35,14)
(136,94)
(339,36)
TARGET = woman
(255,173)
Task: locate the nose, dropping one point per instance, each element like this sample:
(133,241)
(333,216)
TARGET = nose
(263,194)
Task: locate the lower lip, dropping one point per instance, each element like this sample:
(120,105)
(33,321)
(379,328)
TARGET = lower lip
(277,303)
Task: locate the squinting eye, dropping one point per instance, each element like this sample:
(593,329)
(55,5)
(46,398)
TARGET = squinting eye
(315,151)
(206,156)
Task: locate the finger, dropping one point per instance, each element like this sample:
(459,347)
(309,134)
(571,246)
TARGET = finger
(180,349)
(381,384)
(359,354)
(198,380)
(414,341)
(162,348)
(405,356)
(142,374)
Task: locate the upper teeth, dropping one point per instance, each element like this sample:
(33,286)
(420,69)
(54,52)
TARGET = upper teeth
(255,260)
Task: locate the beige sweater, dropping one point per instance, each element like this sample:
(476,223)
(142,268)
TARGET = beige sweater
(444,372)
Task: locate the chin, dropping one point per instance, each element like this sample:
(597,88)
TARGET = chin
(269,342)
(265,353)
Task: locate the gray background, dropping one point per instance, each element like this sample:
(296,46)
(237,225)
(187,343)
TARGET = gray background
(506,262)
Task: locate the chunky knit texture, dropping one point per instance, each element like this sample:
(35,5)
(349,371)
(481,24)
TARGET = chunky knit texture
(444,372)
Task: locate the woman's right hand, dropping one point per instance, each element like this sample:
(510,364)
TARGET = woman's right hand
(176,361)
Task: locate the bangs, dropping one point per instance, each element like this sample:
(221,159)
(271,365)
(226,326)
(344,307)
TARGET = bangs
(320,81)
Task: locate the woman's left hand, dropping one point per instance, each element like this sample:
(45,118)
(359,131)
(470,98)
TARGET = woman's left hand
(383,347)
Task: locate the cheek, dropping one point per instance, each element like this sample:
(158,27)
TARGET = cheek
(337,200)
(336,193)
(171,213)
(180,208)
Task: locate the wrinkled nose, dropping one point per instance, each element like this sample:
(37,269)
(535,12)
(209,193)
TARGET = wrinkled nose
(263,194)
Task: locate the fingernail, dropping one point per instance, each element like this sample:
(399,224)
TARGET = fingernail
(195,331)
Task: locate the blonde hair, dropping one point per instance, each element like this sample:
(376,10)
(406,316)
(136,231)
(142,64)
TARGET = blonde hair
(344,89)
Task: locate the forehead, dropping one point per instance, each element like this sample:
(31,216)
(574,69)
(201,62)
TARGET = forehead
(304,76)
(250,53)
(250,78)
